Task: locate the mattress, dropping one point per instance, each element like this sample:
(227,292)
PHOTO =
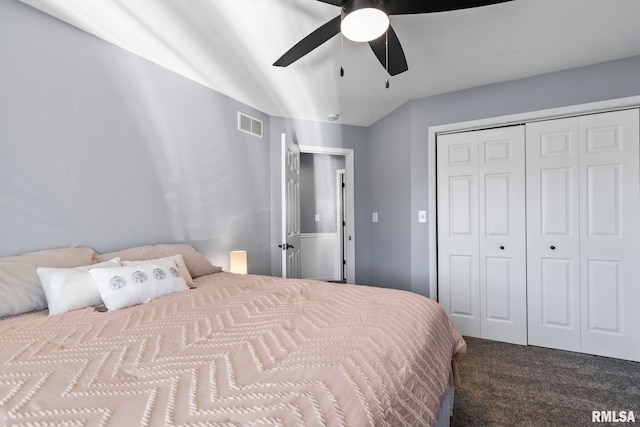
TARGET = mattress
(235,350)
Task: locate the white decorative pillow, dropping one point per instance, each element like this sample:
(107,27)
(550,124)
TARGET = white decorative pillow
(136,284)
(182,267)
(71,288)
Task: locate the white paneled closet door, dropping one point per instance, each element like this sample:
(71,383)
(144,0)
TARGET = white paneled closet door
(481,232)
(610,234)
(583,241)
(503,281)
(458,234)
(553,234)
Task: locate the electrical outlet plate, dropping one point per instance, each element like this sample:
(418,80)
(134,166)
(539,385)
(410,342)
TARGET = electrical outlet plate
(422,216)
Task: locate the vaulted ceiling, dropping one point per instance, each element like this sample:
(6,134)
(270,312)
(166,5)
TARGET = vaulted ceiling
(230,46)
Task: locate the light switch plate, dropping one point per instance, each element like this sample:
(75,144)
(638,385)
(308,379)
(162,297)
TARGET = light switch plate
(374,216)
(422,216)
(317,217)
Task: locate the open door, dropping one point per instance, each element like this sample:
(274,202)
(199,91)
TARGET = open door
(290,209)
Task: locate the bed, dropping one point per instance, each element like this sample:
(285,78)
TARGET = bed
(228,350)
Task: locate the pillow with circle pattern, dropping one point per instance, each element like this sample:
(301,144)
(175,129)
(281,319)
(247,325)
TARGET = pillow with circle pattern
(178,259)
(196,263)
(138,283)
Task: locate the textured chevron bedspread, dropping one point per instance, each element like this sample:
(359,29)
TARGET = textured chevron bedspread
(235,351)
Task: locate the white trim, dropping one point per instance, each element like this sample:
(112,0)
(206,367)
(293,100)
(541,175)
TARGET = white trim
(513,119)
(339,210)
(318,235)
(348,154)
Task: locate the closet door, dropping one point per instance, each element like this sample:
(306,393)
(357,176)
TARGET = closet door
(553,234)
(458,235)
(583,234)
(481,232)
(501,180)
(609,234)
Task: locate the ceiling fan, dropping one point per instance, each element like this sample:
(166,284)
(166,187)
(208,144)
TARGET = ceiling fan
(368,21)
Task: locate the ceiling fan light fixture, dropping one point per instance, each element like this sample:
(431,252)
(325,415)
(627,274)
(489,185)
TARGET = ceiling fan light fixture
(364,20)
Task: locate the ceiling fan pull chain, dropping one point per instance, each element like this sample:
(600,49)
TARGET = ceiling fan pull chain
(341,55)
(386,48)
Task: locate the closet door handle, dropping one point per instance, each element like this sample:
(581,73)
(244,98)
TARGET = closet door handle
(553,248)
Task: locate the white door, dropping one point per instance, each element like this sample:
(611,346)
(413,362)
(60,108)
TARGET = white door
(481,232)
(290,209)
(553,234)
(610,234)
(458,234)
(583,200)
(501,181)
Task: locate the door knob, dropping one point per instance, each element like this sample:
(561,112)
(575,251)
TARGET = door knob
(553,248)
(502,248)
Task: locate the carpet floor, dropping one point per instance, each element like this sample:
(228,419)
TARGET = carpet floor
(511,385)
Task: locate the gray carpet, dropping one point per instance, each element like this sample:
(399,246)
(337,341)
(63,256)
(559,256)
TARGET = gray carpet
(511,385)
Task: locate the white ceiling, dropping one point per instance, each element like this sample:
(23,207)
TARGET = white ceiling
(230,45)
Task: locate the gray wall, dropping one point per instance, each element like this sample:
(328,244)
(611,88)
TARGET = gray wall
(402,169)
(318,188)
(390,188)
(99,147)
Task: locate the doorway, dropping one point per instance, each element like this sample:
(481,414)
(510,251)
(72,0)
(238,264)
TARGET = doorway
(321,216)
(340,244)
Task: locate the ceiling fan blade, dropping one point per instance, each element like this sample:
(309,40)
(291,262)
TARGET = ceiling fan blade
(397,60)
(312,41)
(334,2)
(407,7)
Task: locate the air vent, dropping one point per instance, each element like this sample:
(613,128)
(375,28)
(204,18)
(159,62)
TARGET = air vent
(249,124)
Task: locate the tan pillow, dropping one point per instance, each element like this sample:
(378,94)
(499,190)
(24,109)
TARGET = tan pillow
(20,289)
(196,263)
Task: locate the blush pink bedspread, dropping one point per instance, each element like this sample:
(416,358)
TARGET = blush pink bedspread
(236,351)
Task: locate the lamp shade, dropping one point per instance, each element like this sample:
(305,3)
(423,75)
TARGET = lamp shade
(238,262)
(364,20)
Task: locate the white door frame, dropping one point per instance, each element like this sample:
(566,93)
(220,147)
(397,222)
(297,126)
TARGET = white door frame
(513,119)
(348,154)
(340,176)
